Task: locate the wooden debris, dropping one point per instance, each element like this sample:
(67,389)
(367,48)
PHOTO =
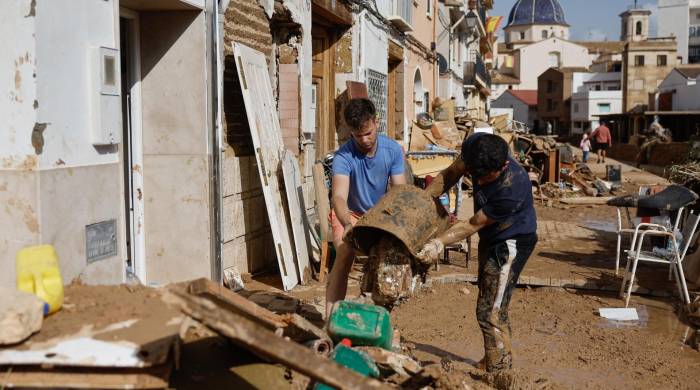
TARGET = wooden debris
(292,325)
(265,343)
(37,377)
(391,362)
(585,200)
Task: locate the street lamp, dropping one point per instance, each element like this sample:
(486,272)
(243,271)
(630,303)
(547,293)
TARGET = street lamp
(471,20)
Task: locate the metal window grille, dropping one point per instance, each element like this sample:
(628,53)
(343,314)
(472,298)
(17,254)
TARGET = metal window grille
(376,88)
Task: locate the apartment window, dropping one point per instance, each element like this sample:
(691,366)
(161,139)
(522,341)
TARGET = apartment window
(544,34)
(603,108)
(522,35)
(597,87)
(550,86)
(661,60)
(638,60)
(575,107)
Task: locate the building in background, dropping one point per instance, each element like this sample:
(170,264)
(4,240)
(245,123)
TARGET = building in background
(600,94)
(522,102)
(554,89)
(681,19)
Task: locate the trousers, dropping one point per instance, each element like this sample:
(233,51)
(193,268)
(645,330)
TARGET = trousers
(500,265)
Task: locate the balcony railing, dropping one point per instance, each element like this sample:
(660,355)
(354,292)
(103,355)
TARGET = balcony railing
(475,72)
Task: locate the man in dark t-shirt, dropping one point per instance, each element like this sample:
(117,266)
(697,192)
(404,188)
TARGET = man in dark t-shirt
(507,225)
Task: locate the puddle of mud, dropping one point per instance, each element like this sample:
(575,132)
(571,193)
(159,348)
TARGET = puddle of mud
(656,316)
(603,226)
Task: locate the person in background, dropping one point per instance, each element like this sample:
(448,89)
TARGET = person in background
(585,145)
(603,141)
(362,170)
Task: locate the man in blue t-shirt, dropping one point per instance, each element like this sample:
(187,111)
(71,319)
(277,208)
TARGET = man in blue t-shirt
(362,170)
(507,225)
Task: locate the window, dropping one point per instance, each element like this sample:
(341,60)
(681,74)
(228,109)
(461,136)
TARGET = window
(554,59)
(638,60)
(522,35)
(550,86)
(429,10)
(575,107)
(661,60)
(597,87)
(603,107)
(510,87)
(638,28)
(544,34)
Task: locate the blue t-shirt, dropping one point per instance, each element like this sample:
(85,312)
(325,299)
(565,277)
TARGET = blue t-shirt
(508,202)
(369,176)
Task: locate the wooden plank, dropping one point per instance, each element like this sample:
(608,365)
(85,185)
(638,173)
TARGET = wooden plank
(267,344)
(323,207)
(86,378)
(293,325)
(265,130)
(237,303)
(297,209)
(586,200)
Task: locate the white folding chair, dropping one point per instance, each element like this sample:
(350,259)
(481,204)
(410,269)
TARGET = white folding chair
(675,259)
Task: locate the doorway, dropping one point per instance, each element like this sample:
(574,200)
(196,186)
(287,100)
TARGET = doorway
(322,87)
(132,146)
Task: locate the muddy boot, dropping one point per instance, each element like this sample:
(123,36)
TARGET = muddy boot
(498,360)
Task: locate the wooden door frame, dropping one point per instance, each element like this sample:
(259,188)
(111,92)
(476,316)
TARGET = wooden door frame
(325,139)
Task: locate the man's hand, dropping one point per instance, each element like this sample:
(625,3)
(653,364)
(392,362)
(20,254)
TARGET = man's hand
(431,251)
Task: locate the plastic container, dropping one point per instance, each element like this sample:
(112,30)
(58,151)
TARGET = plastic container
(357,361)
(363,324)
(38,273)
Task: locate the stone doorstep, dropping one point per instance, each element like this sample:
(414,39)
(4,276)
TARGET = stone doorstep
(533,281)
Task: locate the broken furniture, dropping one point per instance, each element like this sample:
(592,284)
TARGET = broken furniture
(673,255)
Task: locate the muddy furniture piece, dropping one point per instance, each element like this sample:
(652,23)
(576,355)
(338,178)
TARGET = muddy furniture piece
(392,232)
(674,257)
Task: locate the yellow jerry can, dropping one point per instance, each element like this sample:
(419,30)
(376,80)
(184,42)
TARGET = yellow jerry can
(38,273)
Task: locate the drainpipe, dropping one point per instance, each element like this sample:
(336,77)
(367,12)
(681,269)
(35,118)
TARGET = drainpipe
(215,139)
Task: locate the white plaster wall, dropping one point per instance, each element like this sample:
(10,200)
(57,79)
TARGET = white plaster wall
(66,32)
(673,20)
(534,59)
(521,112)
(686,93)
(374,47)
(17,81)
(588,104)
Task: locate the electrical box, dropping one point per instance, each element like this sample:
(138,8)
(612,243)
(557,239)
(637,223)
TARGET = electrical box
(105,99)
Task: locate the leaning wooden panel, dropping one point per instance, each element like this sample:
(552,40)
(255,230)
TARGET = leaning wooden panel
(295,200)
(265,130)
(85,378)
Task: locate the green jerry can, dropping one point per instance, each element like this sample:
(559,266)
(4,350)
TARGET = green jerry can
(357,361)
(364,325)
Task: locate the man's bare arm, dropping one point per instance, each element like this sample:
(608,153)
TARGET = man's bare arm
(464,229)
(397,180)
(447,178)
(339,198)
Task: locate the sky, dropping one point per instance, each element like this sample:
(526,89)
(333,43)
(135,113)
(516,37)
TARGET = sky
(590,20)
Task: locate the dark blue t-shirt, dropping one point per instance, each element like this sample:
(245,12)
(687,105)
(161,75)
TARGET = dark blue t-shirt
(507,201)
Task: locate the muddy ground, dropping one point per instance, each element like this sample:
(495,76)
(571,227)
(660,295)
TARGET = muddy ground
(559,340)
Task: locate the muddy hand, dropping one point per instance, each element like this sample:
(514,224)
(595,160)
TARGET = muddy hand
(431,251)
